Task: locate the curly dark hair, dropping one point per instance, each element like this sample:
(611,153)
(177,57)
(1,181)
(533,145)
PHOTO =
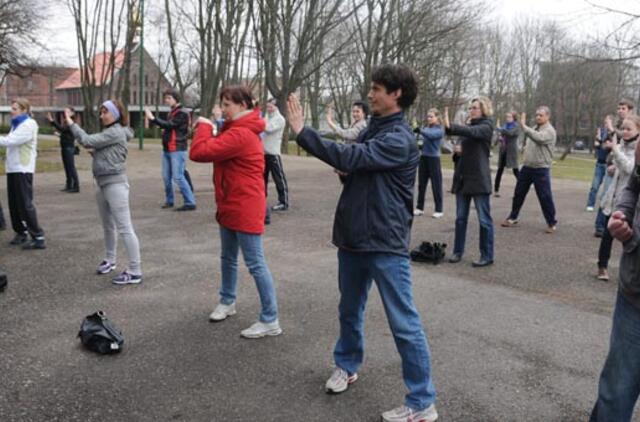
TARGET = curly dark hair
(397,77)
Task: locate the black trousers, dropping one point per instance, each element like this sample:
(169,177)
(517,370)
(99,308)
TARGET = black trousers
(3,223)
(68,160)
(273,165)
(502,163)
(430,169)
(606,243)
(23,213)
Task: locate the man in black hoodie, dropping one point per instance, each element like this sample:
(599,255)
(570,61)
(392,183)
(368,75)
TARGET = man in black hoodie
(175,150)
(372,231)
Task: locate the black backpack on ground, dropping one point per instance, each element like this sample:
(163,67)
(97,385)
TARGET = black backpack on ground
(99,334)
(433,253)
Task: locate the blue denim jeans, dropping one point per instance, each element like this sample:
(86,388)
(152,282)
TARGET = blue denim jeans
(598,176)
(483,208)
(173,165)
(251,246)
(541,180)
(601,219)
(619,384)
(392,274)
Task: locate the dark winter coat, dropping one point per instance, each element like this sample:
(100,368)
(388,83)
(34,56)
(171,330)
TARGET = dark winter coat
(472,175)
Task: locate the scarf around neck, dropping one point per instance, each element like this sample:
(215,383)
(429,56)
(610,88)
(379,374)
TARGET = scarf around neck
(16,121)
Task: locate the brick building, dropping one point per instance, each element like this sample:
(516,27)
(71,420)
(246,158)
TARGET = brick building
(50,89)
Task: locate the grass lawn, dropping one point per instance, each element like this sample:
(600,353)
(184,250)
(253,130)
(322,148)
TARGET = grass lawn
(574,167)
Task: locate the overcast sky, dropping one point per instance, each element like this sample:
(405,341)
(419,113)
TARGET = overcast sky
(580,18)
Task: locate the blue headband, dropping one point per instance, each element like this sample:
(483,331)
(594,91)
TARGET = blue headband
(109,105)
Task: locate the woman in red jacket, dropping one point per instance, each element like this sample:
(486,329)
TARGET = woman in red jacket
(238,166)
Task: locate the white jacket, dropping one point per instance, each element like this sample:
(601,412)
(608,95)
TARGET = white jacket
(273,133)
(22,147)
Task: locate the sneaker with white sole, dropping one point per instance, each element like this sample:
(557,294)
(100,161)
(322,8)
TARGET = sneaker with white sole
(262,329)
(437,215)
(105,267)
(126,277)
(340,381)
(407,414)
(418,212)
(222,311)
(590,209)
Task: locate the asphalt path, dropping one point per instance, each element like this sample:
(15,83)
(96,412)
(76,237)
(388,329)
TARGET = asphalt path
(522,340)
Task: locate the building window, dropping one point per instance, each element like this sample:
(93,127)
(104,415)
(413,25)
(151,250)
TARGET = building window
(135,97)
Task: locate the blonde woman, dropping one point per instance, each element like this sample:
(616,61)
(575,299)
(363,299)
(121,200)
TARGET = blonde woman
(473,177)
(22,149)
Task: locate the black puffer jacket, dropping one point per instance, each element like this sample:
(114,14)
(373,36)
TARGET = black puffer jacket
(375,210)
(176,129)
(472,174)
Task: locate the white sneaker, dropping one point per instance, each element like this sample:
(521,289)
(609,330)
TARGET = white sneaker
(406,414)
(418,212)
(262,329)
(590,209)
(437,215)
(339,381)
(222,311)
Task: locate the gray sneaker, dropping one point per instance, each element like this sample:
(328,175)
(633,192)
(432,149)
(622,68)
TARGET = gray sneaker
(407,414)
(339,381)
(222,311)
(262,329)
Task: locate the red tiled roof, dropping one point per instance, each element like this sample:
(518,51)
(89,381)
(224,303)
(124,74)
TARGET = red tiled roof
(100,65)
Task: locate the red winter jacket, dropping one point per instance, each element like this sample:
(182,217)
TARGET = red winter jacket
(237,155)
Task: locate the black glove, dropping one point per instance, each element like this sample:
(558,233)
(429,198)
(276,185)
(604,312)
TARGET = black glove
(416,130)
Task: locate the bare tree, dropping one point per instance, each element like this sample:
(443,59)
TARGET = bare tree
(288,34)
(18,23)
(97,24)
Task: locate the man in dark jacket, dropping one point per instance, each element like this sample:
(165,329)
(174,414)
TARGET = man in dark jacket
(175,149)
(372,230)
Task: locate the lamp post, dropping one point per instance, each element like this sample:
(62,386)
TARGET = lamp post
(141,76)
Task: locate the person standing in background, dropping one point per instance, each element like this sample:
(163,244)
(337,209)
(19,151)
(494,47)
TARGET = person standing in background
(175,150)
(272,140)
(68,151)
(430,168)
(508,149)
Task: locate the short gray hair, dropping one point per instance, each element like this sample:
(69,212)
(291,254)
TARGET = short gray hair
(545,109)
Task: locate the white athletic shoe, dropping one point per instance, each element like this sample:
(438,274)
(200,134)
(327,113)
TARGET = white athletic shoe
(406,414)
(590,209)
(222,311)
(339,381)
(262,329)
(418,212)
(437,215)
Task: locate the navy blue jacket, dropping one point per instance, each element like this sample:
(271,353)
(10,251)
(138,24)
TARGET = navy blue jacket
(375,210)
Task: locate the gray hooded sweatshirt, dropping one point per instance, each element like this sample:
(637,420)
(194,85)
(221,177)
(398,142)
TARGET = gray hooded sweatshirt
(110,155)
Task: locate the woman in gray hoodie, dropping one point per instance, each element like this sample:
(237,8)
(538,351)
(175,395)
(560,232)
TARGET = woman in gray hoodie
(109,150)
